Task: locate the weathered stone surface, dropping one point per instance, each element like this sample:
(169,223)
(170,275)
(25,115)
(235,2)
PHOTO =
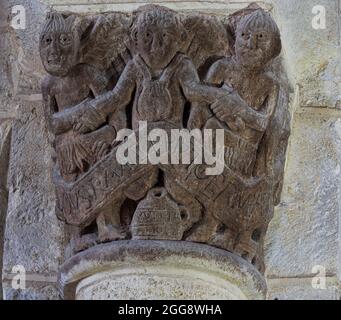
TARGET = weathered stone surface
(5,139)
(304,230)
(313,56)
(33,291)
(24,66)
(337,141)
(302,289)
(6,81)
(159,270)
(34,236)
(222,7)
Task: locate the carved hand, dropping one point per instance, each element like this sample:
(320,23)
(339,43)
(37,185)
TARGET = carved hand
(226,107)
(232,108)
(198,116)
(90,120)
(100,149)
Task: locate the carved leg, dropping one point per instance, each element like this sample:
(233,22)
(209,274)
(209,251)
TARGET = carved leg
(185,199)
(205,230)
(79,242)
(75,235)
(223,237)
(109,223)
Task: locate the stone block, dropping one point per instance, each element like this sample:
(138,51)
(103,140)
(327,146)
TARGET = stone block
(5,140)
(34,235)
(302,289)
(304,230)
(313,55)
(33,291)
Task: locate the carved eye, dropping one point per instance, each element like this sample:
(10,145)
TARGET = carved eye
(64,39)
(260,35)
(147,34)
(48,40)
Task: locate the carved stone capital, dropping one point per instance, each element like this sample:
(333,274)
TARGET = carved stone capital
(159,69)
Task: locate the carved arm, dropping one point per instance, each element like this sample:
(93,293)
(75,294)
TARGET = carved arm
(110,102)
(235,106)
(193,90)
(259,120)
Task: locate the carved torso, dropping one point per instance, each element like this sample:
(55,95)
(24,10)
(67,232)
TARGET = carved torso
(158,97)
(73,150)
(253,89)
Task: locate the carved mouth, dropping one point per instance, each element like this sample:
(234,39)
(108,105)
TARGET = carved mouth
(54,61)
(251,56)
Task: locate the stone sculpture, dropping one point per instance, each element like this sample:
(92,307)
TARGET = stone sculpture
(167,70)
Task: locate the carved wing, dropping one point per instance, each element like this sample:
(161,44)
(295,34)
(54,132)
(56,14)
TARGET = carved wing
(198,45)
(277,151)
(272,149)
(106,38)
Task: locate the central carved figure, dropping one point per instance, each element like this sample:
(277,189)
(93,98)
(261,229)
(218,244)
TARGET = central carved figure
(172,75)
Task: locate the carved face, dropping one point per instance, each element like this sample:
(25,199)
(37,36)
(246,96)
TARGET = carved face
(59,52)
(157,44)
(254,48)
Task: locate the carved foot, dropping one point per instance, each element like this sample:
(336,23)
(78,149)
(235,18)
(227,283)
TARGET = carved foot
(204,230)
(223,238)
(84,242)
(111,234)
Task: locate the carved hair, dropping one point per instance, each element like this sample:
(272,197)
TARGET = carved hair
(153,14)
(261,20)
(57,22)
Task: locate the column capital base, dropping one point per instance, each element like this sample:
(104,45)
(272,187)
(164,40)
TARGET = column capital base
(148,269)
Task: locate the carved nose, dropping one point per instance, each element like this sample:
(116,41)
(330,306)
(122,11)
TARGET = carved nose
(252,42)
(55,46)
(157,42)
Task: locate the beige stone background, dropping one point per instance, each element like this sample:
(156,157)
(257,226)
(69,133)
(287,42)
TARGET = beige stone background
(303,240)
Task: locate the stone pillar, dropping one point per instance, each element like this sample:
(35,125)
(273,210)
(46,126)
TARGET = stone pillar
(5,124)
(33,239)
(5,140)
(159,270)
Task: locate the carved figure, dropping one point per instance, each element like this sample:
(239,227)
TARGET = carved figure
(161,78)
(159,61)
(69,83)
(241,207)
(257,43)
(161,75)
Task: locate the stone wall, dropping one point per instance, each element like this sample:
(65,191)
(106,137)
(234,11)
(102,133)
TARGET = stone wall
(33,235)
(5,128)
(5,139)
(305,231)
